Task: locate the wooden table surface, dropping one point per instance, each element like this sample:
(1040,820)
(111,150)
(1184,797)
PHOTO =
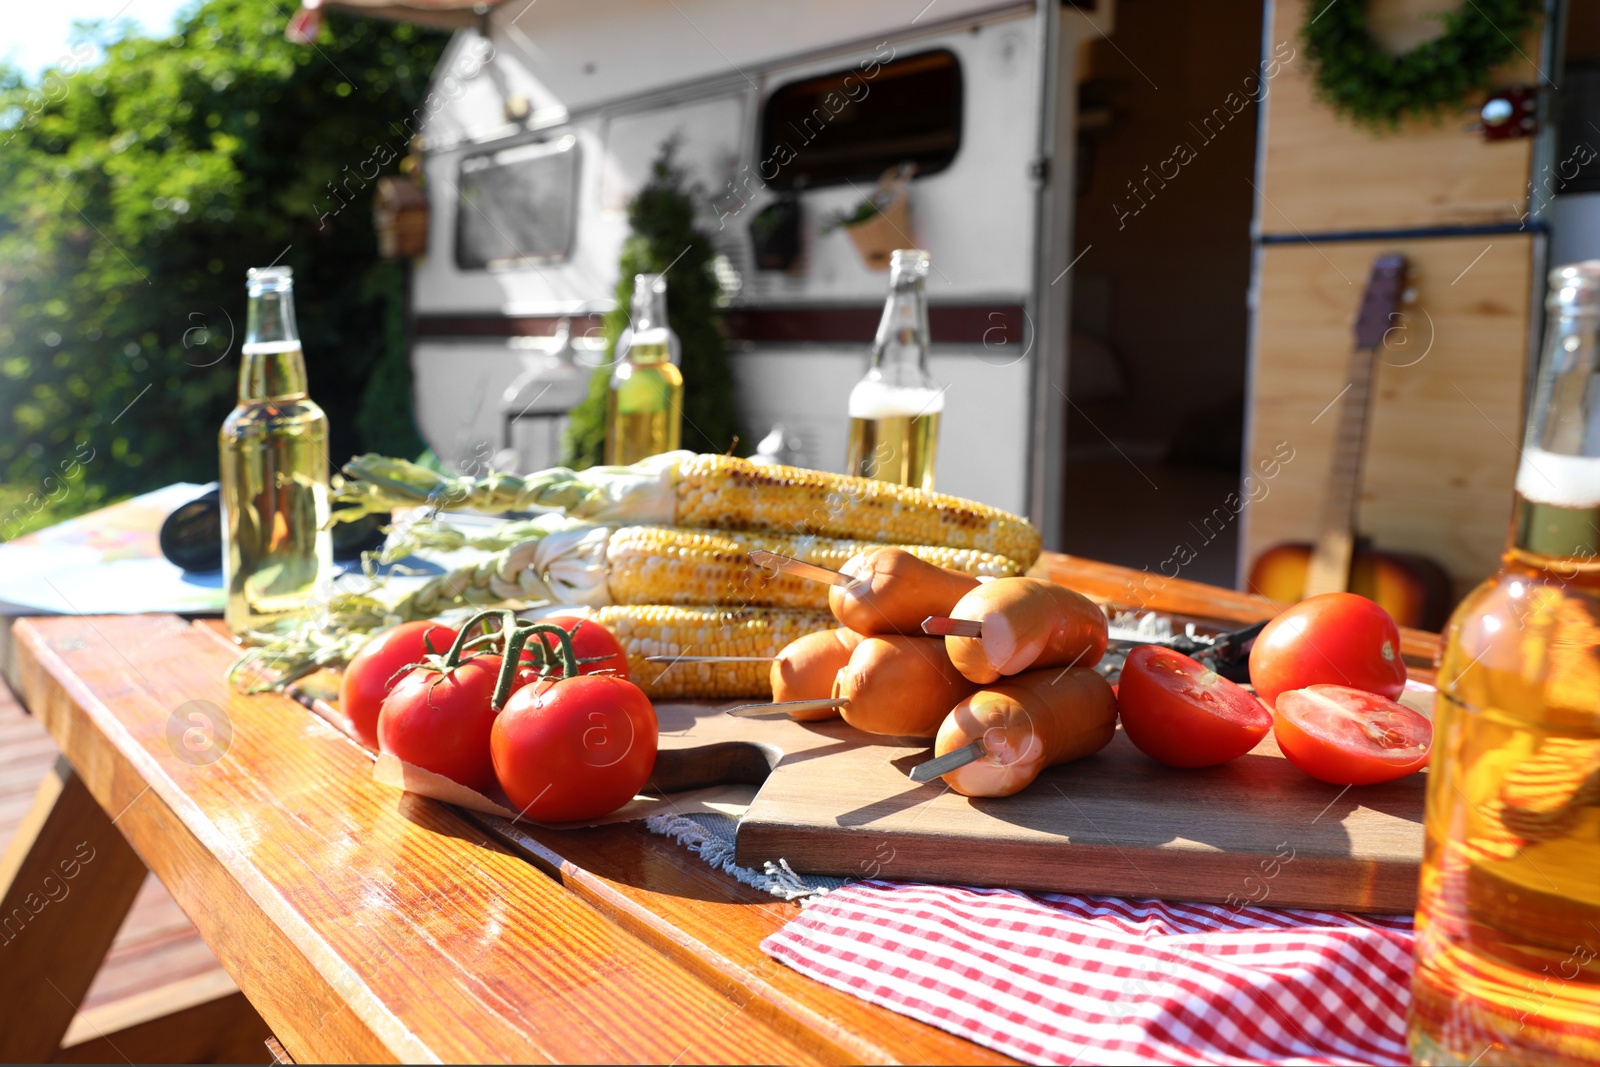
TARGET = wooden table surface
(368,925)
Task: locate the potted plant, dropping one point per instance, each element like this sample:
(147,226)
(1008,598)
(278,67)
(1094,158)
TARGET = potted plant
(880,223)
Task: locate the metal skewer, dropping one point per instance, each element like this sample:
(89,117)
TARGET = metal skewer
(940,626)
(709,659)
(928,770)
(755,711)
(799,568)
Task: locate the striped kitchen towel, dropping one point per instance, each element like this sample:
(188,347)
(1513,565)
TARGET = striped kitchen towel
(1049,978)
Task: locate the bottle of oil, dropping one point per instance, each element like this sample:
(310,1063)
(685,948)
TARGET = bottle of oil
(894,410)
(644,410)
(1508,912)
(274,448)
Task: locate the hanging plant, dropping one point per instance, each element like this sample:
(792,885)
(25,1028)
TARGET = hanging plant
(1363,82)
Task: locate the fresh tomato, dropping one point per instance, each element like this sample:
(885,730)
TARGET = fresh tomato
(1348,736)
(574,748)
(595,646)
(441,722)
(1332,639)
(380,664)
(1179,712)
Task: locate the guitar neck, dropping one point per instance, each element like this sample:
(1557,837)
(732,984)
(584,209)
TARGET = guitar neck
(1329,568)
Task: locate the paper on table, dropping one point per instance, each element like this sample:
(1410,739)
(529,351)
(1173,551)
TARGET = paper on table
(107,562)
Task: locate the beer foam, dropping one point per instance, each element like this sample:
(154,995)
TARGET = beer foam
(1560,480)
(269,348)
(880,400)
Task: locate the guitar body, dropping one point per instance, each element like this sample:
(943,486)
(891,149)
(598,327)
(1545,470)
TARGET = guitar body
(1416,591)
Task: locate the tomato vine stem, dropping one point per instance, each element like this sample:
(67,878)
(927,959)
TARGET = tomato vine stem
(516,639)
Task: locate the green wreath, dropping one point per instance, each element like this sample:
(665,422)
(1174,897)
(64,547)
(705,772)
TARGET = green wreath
(1362,81)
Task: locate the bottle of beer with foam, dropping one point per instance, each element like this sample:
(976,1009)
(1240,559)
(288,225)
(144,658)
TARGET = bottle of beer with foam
(895,408)
(1508,910)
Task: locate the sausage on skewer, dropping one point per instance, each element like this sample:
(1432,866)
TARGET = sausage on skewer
(807,667)
(1024,624)
(1023,725)
(893,591)
(893,684)
(901,686)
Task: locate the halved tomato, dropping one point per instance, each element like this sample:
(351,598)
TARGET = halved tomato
(1348,736)
(1179,712)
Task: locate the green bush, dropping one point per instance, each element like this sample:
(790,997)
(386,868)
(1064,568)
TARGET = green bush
(664,236)
(134,195)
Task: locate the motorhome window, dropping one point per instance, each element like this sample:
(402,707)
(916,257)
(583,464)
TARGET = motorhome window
(517,205)
(853,124)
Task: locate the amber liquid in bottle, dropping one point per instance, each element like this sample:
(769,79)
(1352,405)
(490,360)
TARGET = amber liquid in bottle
(1508,909)
(274,466)
(894,447)
(1508,912)
(644,409)
(895,408)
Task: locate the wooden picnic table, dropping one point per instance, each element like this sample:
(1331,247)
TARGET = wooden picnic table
(363,924)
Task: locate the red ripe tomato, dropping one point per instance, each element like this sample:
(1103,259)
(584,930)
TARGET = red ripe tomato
(1179,712)
(1348,736)
(378,667)
(574,748)
(596,647)
(1332,639)
(441,722)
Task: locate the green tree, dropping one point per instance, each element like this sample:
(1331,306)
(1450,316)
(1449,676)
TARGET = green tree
(664,236)
(134,195)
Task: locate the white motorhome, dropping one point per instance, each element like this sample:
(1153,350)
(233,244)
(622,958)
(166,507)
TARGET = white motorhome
(1130,175)
(546,116)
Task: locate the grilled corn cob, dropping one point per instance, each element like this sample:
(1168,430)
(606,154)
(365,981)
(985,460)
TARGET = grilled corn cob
(721,492)
(657,630)
(643,630)
(553,559)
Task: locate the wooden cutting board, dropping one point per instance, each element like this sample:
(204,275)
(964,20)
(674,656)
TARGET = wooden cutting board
(833,801)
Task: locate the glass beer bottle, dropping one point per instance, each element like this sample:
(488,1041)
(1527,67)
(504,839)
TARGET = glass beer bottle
(644,407)
(1508,910)
(894,410)
(274,451)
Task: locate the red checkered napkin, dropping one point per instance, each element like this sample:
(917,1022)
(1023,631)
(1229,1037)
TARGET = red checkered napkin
(1071,979)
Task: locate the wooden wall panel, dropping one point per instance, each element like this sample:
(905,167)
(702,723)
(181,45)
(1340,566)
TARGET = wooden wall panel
(1320,173)
(1445,430)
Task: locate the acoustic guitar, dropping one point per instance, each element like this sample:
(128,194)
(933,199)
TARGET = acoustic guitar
(1414,589)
